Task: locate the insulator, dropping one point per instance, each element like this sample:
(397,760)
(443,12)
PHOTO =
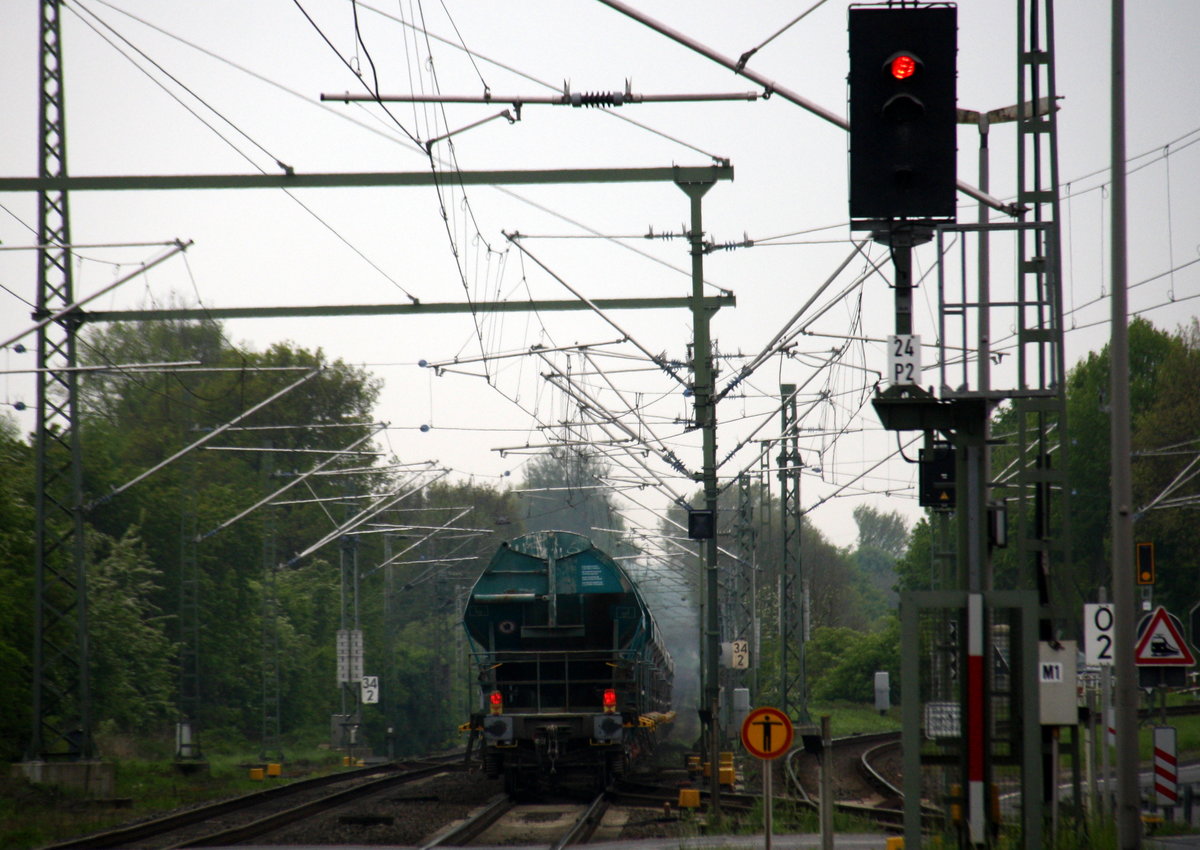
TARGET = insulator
(597,98)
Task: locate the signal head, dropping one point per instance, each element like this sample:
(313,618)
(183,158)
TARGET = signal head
(902,110)
(903,65)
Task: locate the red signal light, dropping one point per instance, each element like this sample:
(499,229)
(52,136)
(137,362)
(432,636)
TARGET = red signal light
(610,701)
(903,66)
(497,701)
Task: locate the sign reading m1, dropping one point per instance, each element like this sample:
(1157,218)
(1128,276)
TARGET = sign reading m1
(1058,697)
(904,358)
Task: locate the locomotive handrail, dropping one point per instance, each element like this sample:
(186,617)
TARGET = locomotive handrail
(546,682)
(516,596)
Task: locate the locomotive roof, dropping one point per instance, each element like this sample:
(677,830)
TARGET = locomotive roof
(529,554)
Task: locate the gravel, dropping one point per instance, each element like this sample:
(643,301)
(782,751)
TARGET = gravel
(418,811)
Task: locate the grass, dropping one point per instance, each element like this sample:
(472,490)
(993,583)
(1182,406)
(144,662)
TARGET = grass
(33,815)
(1187,729)
(847,718)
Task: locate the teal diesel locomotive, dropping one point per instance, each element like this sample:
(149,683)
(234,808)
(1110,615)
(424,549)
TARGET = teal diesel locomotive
(572,673)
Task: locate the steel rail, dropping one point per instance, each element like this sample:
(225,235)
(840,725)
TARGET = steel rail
(237,834)
(874,776)
(126,835)
(585,825)
(473,825)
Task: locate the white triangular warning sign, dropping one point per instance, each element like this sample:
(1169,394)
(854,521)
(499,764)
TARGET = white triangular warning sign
(1162,644)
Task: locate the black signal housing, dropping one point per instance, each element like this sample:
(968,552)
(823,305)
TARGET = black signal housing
(903,113)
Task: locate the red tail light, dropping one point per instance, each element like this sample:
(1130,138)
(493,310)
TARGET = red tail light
(610,701)
(497,702)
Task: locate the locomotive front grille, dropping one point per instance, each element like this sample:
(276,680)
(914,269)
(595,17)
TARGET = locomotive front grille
(557,682)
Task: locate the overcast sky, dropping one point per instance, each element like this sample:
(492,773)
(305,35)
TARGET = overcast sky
(229,86)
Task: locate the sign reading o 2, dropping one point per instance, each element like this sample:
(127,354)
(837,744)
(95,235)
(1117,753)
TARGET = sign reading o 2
(1098,634)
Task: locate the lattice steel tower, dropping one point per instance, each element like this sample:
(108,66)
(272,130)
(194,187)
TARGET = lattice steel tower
(793,588)
(61,711)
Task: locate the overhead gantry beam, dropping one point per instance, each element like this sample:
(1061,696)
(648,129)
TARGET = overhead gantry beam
(351,180)
(420,308)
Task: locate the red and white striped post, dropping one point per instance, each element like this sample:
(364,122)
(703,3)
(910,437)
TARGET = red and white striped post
(1166,767)
(976,730)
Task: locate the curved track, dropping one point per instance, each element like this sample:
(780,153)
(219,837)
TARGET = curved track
(861,787)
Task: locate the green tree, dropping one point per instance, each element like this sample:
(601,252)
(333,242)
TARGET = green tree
(133,675)
(567,490)
(1089,427)
(838,590)
(1166,446)
(914,569)
(132,421)
(1164,399)
(886,532)
(842,662)
(16,588)
(881,541)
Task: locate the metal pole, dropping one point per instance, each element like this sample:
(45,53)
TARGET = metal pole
(1053,781)
(391,626)
(902,262)
(344,624)
(1128,815)
(706,421)
(1090,753)
(768,803)
(984,317)
(1106,723)
(826,785)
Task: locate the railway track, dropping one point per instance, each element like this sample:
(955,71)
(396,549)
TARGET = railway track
(253,815)
(871,764)
(866,768)
(859,788)
(585,825)
(505,821)
(359,807)
(633,793)
(478,822)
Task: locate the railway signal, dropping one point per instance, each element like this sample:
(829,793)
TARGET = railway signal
(936,477)
(903,112)
(1144,562)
